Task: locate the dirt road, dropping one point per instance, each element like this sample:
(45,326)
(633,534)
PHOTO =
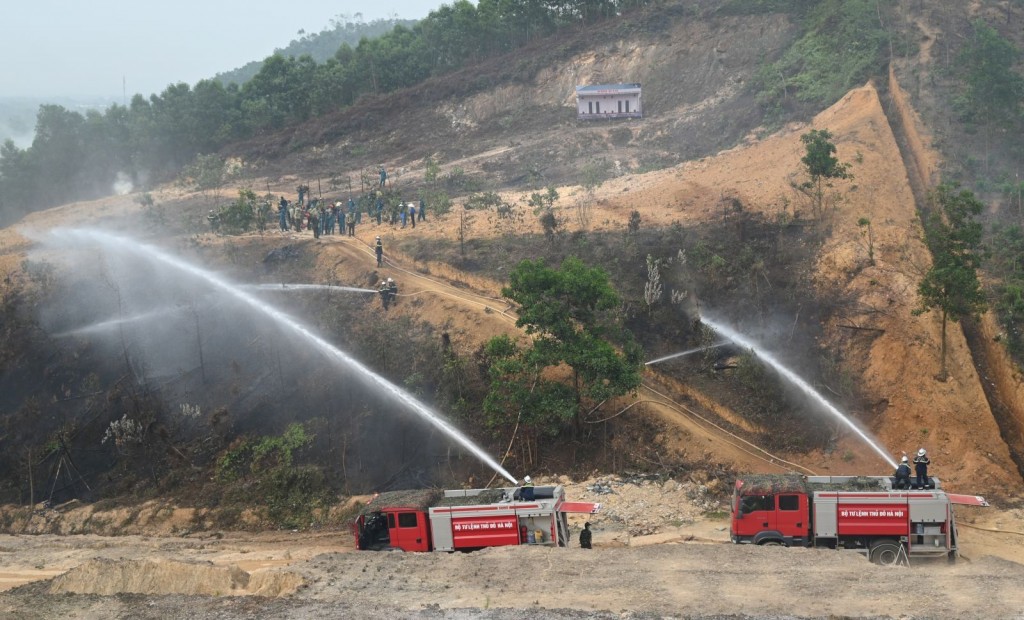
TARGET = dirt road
(695,579)
(661,551)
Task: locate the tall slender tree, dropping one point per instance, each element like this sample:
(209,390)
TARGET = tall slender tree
(951,285)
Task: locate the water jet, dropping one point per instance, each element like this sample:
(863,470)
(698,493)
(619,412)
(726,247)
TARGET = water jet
(112,243)
(792,377)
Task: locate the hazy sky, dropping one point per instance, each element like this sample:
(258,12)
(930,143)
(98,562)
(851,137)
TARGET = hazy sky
(84,47)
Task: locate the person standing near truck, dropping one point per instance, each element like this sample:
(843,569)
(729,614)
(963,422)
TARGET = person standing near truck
(921,464)
(586,537)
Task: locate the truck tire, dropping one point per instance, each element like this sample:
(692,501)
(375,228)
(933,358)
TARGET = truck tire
(771,542)
(886,553)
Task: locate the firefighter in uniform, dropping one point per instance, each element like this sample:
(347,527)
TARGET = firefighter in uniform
(902,474)
(392,291)
(527,492)
(586,537)
(921,464)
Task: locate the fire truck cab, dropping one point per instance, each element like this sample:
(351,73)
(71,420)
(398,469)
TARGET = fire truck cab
(863,513)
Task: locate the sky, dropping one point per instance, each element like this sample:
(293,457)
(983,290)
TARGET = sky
(83,48)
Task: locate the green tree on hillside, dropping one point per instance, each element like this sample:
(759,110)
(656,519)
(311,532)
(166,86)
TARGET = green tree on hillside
(1007,267)
(951,284)
(994,90)
(821,167)
(569,311)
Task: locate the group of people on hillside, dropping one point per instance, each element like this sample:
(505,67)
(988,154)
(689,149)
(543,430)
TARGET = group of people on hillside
(902,474)
(318,215)
(323,218)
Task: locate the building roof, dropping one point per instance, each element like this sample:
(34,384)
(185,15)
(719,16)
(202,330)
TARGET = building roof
(594,89)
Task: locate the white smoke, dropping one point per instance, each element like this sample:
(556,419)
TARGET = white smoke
(123,184)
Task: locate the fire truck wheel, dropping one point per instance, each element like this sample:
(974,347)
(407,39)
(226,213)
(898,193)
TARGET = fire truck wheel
(771,543)
(886,553)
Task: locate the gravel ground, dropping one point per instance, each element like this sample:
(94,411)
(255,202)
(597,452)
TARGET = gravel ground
(657,555)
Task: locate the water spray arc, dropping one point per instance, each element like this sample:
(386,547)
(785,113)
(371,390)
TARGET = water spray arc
(112,323)
(127,245)
(796,380)
(308,287)
(686,352)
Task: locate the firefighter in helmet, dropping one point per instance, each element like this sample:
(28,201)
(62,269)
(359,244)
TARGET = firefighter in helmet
(902,474)
(527,493)
(921,463)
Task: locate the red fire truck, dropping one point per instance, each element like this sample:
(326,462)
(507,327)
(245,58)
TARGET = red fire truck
(466,519)
(864,513)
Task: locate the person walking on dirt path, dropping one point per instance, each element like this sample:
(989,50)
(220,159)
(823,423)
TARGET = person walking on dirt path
(383,176)
(586,537)
(351,226)
(412,213)
(423,210)
(921,463)
(378,249)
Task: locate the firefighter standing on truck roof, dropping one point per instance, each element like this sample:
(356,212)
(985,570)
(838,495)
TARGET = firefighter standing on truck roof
(921,463)
(527,492)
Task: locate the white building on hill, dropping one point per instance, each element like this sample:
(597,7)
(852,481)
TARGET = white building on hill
(608,101)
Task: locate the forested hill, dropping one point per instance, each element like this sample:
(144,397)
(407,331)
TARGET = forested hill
(839,44)
(320,46)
